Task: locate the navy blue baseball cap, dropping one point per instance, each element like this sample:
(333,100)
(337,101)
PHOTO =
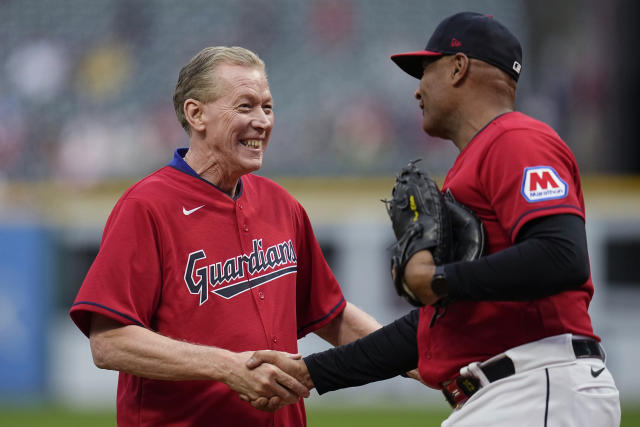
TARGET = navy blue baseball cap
(474,34)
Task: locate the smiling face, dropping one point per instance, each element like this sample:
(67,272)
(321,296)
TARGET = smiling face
(238,124)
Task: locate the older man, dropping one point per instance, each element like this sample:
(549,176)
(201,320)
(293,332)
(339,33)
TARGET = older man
(515,346)
(202,261)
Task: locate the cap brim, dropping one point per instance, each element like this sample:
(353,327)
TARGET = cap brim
(412,63)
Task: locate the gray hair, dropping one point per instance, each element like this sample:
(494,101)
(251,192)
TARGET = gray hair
(197,79)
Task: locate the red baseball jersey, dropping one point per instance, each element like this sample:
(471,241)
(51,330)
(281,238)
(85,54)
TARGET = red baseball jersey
(514,170)
(180,257)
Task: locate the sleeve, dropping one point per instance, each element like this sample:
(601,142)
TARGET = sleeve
(385,353)
(319,298)
(527,174)
(550,257)
(124,280)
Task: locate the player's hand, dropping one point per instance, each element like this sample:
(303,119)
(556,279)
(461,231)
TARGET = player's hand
(262,403)
(415,375)
(418,274)
(292,364)
(265,381)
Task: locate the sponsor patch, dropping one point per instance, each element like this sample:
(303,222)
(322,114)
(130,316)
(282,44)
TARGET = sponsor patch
(541,183)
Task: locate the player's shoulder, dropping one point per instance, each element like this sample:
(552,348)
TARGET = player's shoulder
(520,122)
(517,134)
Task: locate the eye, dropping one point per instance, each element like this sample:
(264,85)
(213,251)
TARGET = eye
(244,106)
(268,108)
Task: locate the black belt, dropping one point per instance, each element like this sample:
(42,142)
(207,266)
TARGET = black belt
(461,388)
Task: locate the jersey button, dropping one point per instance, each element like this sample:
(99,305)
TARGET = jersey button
(260,295)
(275,339)
(246,227)
(240,205)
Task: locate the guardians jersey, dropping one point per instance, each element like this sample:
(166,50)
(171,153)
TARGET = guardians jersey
(181,258)
(514,170)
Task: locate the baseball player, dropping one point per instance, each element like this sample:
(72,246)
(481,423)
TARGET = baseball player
(507,337)
(202,261)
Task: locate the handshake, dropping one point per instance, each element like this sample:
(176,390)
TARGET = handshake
(270,379)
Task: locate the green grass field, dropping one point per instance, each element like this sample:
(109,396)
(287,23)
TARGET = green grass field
(317,417)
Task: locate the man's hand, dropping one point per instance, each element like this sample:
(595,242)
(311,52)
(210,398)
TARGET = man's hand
(291,364)
(264,382)
(415,375)
(418,274)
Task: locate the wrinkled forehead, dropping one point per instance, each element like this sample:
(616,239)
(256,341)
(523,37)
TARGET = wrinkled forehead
(240,79)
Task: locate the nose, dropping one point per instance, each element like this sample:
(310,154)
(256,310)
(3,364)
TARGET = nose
(262,121)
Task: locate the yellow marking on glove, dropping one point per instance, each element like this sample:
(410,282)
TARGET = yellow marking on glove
(414,208)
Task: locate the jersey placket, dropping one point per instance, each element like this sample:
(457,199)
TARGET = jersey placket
(246,236)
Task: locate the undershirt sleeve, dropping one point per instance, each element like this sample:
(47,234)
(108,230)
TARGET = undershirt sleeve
(549,257)
(385,353)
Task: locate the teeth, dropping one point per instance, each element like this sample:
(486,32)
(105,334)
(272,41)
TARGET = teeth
(253,143)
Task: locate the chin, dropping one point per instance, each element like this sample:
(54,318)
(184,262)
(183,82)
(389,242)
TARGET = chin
(430,129)
(252,165)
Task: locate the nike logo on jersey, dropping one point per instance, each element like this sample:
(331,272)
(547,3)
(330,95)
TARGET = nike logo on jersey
(596,373)
(540,183)
(190,211)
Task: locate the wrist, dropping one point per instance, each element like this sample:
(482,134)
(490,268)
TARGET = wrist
(418,275)
(309,366)
(223,364)
(420,269)
(306,380)
(439,284)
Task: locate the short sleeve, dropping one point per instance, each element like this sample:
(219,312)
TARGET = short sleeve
(319,297)
(124,280)
(529,174)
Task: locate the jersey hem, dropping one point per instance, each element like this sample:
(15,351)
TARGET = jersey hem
(82,323)
(536,213)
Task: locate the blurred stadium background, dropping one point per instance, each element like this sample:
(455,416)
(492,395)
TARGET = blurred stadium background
(85,110)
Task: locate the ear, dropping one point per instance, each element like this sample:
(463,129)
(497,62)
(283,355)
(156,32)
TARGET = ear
(459,68)
(193,111)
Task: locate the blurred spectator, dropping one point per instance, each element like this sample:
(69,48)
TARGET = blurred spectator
(132,22)
(328,55)
(362,133)
(38,69)
(12,131)
(262,17)
(332,22)
(105,72)
(94,148)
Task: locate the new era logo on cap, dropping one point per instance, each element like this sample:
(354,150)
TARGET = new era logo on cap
(474,34)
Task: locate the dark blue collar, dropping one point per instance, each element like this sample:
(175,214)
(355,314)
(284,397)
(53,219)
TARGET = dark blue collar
(178,163)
